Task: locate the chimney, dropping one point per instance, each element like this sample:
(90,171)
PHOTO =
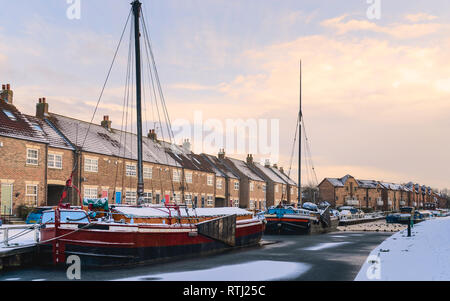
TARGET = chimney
(267,163)
(221,154)
(250,159)
(42,108)
(187,145)
(152,135)
(106,123)
(6,94)
(275,166)
(282,170)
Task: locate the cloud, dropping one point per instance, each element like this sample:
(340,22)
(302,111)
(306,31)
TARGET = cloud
(396,30)
(420,17)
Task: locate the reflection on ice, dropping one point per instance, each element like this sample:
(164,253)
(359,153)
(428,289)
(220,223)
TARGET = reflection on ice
(250,271)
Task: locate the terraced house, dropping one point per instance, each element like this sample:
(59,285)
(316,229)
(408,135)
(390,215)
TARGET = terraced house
(377,195)
(39,153)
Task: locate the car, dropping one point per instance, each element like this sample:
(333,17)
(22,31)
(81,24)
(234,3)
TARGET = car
(35,216)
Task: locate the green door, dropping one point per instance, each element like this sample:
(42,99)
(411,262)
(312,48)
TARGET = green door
(6,199)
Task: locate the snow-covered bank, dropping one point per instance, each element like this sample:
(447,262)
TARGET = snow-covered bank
(425,256)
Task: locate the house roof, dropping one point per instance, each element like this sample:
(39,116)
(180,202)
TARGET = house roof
(14,124)
(269,173)
(285,177)
(244,169)
(367,183)
(220,167)
(54,138)
(111,142)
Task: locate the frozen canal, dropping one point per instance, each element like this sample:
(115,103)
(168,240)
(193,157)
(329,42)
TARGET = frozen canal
(335,256)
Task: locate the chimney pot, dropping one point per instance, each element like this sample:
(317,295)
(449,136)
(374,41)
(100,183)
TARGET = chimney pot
(3,87)
(8,87)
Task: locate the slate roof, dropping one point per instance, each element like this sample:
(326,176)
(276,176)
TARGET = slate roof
(269,173)
(244,169)
(117,143)
(367,183)
(283,176)
(14,124)
(220,167)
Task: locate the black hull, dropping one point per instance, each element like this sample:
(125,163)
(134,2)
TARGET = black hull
(282,227)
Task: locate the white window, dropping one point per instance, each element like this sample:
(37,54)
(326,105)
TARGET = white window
(236,203)
(177,197)
(90,164)
(276,187)
(55,161)
(219,183)
(32,156)
(147,198)
(31,194)
(251,186)
(264,187)
(176,176)
(252,204)
(236,185)
(130,197)
(189,177)
(130,170)
(148,172)
(210,180)
(90,193)
(210,201)
(188,198)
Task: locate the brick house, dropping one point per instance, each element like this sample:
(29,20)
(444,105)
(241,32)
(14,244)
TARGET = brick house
(252,188)
(276,187)
(229,181)
(33,159)
(291,186)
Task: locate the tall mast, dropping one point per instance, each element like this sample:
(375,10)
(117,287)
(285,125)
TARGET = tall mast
(300,116)
(137,12)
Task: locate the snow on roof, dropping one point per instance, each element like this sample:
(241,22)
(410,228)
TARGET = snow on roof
(221,166)
(164,212)
(269,173)
(367,183)
(113,143)
(284,176)
(244,169)
(335,182)
(18,126)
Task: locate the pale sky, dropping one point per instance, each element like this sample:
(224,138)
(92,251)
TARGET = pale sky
(376,92)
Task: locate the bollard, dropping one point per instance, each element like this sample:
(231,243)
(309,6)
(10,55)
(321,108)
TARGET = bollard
(409,227)
(5,236)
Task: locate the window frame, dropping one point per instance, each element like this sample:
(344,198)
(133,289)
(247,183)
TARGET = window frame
(30,160)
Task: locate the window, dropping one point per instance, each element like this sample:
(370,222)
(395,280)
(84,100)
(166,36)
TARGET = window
(252,204)
(188,198)
(284,189)
(147,198)
(37,127)
(148,172)
(219,183)
(189,177)
(251,186)
(31,194)
(236,203)
(130,197)
(32,156)
(130,170)
(54,161)
(177,197)
(264,187)
(210,201)
(10,115)
(236,185)
(90,164)
(209,180)
(176,176)
(90,193)
(276,187)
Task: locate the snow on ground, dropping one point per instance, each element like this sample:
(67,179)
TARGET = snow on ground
(26,239)
(325,245)
(376,226)
(251,271)
(425,256)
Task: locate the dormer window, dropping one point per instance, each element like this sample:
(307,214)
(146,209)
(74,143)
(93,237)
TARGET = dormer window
(10,115)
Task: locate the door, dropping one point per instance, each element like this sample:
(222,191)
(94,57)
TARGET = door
(203,202)
(118,197)
(6,199)
(196,201)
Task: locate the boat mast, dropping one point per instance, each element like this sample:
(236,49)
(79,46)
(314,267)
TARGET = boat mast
(137,12)
(300,142)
